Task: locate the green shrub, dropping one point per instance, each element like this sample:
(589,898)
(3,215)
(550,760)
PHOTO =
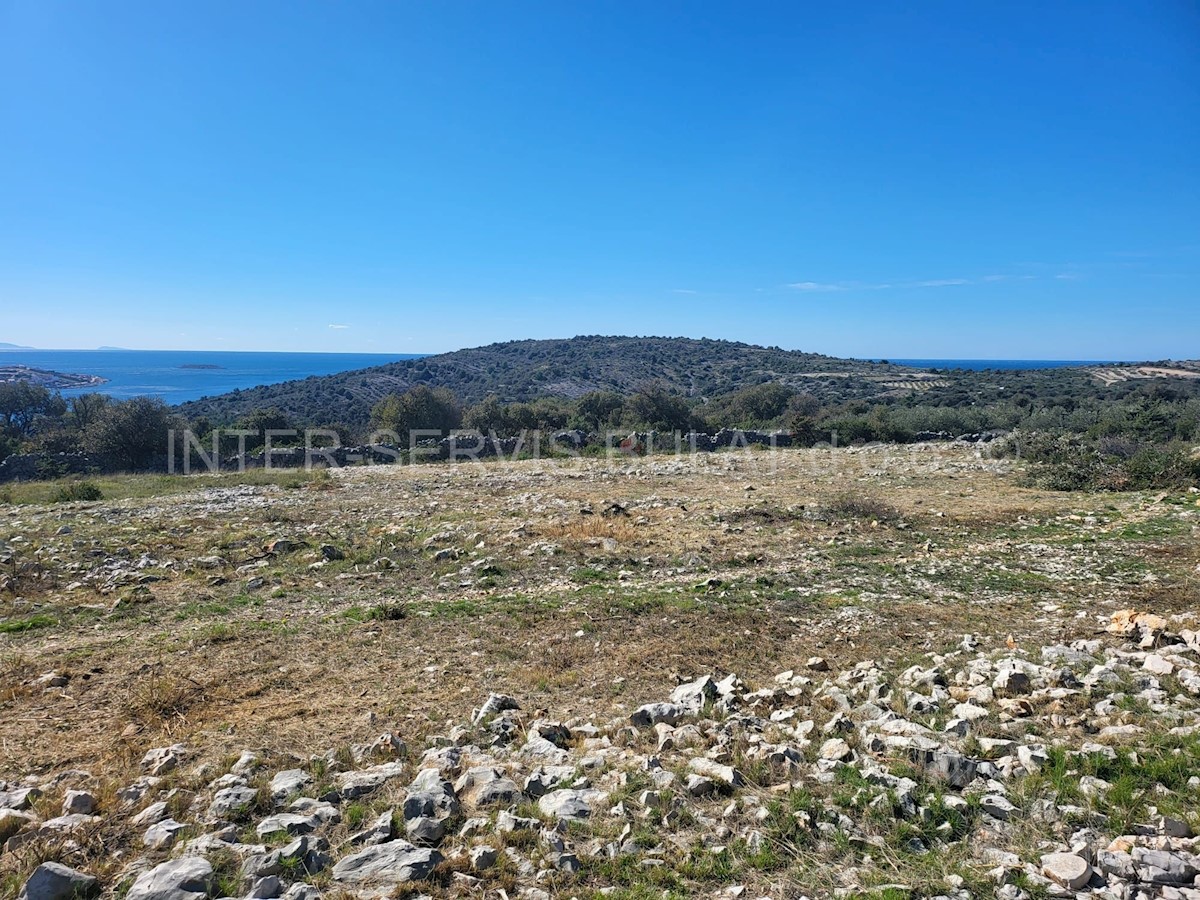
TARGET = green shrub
(78,490)
(1065,462)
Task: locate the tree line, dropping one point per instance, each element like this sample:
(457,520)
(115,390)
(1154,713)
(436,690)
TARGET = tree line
(130,434)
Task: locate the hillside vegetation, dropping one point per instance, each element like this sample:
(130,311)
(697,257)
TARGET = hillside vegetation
(593,382)
(569,369)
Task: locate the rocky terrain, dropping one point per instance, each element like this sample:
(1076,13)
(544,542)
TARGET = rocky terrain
(887,672)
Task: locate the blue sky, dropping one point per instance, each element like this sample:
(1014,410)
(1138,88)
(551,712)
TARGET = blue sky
(998,180)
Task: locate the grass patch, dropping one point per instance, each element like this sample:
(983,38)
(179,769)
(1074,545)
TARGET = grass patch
(32,623)
(127,487)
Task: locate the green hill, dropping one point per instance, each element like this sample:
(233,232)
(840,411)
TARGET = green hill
(526,370)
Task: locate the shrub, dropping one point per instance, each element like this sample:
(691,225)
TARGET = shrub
(78,490)
(1072,463)
(422,408)
(131,435)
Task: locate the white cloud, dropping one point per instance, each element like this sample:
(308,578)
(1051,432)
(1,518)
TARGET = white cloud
(339,327)
(941,282)
(814,287)
(683,291)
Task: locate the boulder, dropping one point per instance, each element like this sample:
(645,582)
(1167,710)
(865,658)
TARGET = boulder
(13,821)
(571,804)
(695,694)
(230,801)
(162,835)
(353,785)
(54,881)
(385,865)
(287,783)
(187,878)
(425,830)
(653,713)
(1164,866)
(1071,871)
(486,785)
(78,803)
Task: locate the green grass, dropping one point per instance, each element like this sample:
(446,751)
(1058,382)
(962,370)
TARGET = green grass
(32,623)
(125,487)
(1158,527)
(1164,760)
(1009,581)
(209,609)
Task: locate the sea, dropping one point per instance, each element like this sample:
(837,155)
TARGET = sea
(178,376)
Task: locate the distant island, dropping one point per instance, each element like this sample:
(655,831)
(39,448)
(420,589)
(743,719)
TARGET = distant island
(6,346)
(200,366)
(47,378)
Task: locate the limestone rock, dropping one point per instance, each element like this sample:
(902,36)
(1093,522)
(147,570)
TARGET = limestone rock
(54,881)
(186,878)
(1071,871)
(385,865)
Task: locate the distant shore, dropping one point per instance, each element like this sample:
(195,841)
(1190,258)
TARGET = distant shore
(48,378)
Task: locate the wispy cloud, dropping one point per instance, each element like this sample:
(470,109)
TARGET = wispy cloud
(819,287)
(941,282)
(338,327)
(813,287)
(683,291)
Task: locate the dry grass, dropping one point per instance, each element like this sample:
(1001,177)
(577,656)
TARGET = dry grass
(539,602)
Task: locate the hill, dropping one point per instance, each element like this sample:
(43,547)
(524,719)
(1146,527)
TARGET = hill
(526,370)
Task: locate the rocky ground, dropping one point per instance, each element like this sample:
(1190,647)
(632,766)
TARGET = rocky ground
(880,673)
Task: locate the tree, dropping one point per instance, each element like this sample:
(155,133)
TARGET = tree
(22,404)
(757,405)
(420,408)
(260,422)
(598,410)
(659,410)
(487,415)
(131,435)
(85,409)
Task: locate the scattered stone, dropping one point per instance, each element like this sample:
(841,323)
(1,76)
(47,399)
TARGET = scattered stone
(1067,869)
(653,713)
(163,760)
(78,803)
(353,785)
(162,835)
(186,878)
(54,881)
(14,821)
(287,783)
(998,807)
(571,804)
(385,865)
(482,858)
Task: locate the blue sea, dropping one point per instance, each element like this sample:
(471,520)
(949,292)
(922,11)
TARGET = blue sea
(167,373)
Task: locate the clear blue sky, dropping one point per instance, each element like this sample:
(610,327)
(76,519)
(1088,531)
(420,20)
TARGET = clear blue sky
(945,179)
